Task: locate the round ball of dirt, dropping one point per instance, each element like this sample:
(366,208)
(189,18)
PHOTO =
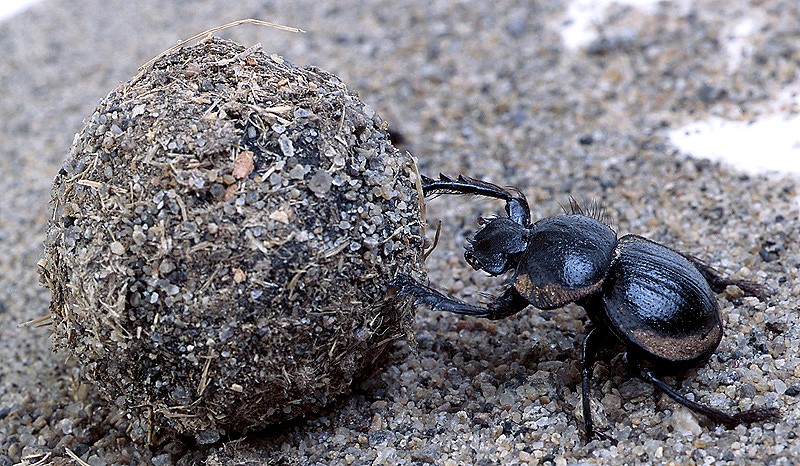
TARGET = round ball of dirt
(222,235)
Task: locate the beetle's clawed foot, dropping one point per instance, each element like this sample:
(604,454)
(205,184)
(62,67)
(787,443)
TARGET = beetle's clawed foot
(752,289)
(750,416)
(403,286)
(399,286)
(599,435)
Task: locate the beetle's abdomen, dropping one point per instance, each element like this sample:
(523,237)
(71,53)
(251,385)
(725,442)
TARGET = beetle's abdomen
(566,259)
(660,303)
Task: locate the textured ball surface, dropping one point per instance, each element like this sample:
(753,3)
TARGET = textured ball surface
(222,233)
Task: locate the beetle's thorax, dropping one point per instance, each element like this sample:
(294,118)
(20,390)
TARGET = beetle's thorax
(566,259)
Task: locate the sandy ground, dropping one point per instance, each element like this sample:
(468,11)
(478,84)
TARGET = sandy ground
(482,88)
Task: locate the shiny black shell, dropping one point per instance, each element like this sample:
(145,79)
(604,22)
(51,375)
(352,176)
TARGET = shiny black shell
(659,305)
(566,259)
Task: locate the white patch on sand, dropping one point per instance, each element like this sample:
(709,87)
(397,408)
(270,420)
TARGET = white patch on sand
(9,8)
(583,16)
(770,143)
(738,44)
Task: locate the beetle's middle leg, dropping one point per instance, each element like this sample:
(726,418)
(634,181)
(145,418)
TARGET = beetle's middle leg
(508,303)
(591,346)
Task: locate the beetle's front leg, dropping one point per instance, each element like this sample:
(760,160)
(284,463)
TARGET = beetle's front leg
(510,302)
(516,205)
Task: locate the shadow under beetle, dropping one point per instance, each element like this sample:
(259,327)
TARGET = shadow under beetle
(659,303)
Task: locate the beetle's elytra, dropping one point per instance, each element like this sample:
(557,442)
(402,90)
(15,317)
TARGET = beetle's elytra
(659,304)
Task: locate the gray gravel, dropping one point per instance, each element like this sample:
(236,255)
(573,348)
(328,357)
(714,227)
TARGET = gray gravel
(485,89)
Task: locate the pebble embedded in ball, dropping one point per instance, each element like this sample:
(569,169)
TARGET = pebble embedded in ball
(222,233)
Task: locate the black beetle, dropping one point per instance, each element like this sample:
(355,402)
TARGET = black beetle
(658,303)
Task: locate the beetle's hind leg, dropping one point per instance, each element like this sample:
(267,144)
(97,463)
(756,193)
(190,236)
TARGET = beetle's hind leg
(729,420)
(510,302)
(516,204)
(718,282)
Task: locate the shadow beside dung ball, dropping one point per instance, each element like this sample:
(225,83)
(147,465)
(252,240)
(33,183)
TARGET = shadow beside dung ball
(222,233)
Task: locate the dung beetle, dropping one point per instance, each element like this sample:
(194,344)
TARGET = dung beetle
(658,303)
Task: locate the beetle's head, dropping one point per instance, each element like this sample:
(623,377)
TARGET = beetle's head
(495,247)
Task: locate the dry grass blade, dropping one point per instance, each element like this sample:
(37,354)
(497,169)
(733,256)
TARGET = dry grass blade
(435,242)
(41,462)
(42,321)
(256,22)
(201,387)
(418,183)
(75,457)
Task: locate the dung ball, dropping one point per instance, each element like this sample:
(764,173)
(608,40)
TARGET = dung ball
(222,235)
